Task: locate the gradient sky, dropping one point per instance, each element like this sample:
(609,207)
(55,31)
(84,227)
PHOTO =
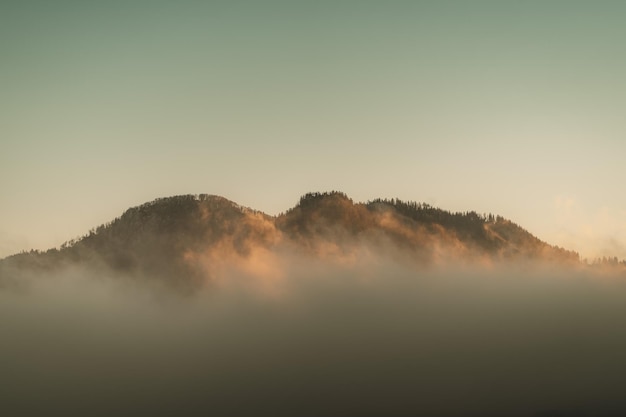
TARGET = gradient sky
(516,108)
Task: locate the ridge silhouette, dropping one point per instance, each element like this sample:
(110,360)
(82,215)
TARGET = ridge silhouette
(169,238)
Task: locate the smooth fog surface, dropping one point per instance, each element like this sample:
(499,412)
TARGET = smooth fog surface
(514,108)
(370,339)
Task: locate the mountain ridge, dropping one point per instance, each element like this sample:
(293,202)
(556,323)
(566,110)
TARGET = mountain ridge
(183,237)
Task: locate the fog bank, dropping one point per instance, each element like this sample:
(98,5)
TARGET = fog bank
(362,339)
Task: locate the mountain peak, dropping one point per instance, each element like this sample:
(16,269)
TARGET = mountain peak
(314,198)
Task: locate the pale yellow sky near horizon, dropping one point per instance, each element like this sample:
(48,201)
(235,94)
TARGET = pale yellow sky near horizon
(515,108)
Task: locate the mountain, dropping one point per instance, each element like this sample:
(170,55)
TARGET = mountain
(187,240)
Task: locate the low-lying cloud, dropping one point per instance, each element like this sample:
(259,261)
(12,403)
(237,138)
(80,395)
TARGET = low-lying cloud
(359,337)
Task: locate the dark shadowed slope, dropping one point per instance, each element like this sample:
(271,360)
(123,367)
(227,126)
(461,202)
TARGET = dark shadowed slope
(180,239)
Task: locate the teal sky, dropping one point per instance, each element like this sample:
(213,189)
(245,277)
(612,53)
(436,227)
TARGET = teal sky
(516,108)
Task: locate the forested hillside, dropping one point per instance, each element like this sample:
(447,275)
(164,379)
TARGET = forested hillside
(180,239)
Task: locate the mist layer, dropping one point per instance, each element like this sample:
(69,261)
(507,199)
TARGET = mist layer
(367,339)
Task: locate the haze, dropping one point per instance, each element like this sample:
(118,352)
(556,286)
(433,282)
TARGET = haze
(514,108)
(369,338)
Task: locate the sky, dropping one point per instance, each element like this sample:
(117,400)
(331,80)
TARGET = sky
(514,108)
